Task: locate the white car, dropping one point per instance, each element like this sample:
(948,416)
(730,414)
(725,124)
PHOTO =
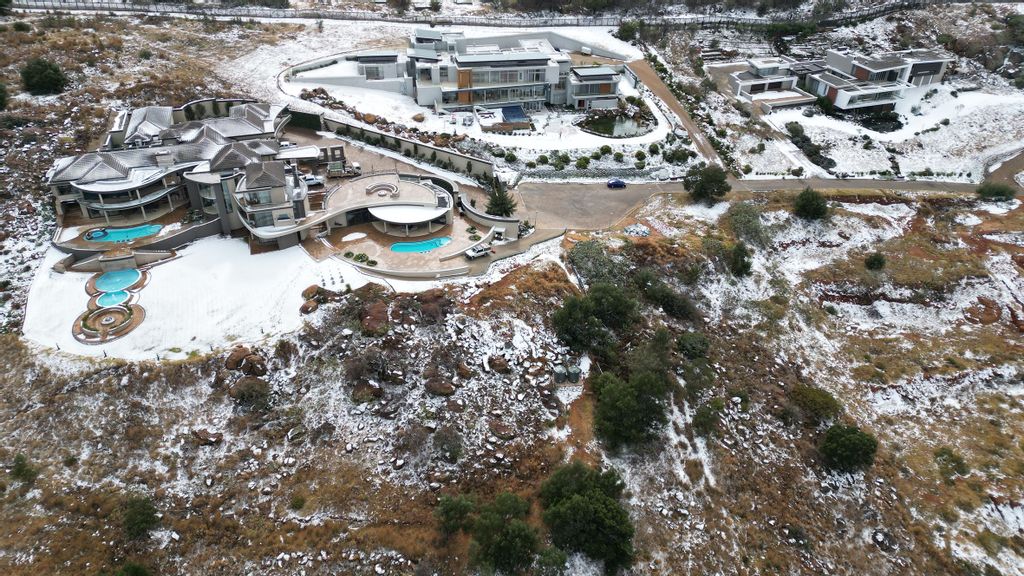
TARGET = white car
(312,180)
(478,251)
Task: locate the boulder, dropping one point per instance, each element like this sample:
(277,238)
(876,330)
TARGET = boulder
(366,392)
(374,319)
(370,118)
(308,307)
(254,365)
(204,437)
(219,378)
(310,292)
(499,364)
(502,430)
(419,117)
(437,386)
(464,371)
(234,360)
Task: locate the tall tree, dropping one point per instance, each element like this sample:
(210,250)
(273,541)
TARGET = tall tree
(706,183)
(500,202)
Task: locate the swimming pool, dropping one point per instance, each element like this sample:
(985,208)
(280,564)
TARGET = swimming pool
(112,298)
(117,280)
(421,246)
(122,234)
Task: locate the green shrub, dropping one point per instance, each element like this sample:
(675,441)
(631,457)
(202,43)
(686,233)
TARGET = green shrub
(453,514)
(996,191)
(40,76)
(582,163)
(739,260)
(605,150)
(3,96)
(816,405)
(139,517)
(21,27)
(145,54)
(950,464)
(542,159)
(510,158)
(618,156)
(132,569)
(847,448)
(810,205)
(640,155)
(628,413)
(693,345)
(745,220)
(22,471)
(654,149)
(502,540)
(705,421)
(349,254)
(550,562)
(874,261)
(298,502)
(583,514)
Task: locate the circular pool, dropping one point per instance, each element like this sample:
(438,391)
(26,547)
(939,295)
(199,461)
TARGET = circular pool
(117,280)
(112,298)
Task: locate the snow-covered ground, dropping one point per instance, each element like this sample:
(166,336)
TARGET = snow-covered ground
(213,295)
(980,128)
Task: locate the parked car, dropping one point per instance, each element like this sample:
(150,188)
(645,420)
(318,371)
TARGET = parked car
(616,183)
(312,180)
(287,144)
(478,251)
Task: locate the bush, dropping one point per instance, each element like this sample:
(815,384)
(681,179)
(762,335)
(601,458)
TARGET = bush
(996,191)
(605,150)
(810,205)
(816,405)
(640,155)
(654,149)
(847,448)
(693,345)
(627,30)
(705,421)
(510,158)
(542,159)
(706,183)
(253,393)
(502,539)
(582,163)
(583,514)
(628,413)
(3,96)
(21,27)
(145,54)
(138,517)
(453,514)
(298,502)
(550,562)
(875,261)
(41,76)
(578,327)
(132,569)
(739,260)
(950,464)
(745,219)
(618,156)
(22,471)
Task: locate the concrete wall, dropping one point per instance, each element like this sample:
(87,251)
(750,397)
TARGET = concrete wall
(510,226)
(480,166)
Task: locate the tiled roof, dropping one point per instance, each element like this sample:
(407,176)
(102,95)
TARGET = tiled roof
(265,175)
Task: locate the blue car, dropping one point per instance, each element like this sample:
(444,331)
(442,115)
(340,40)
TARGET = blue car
(616,183)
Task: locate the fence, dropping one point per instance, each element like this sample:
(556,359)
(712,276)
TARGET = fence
(501,20)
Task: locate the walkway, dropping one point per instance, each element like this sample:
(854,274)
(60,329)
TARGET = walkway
(652,81)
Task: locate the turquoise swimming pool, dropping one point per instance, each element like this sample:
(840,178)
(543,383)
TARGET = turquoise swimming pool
(112,298)
(420,246)
(122,234)
(117,280)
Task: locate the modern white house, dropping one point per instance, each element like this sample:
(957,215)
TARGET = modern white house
(448,71)
(850,80)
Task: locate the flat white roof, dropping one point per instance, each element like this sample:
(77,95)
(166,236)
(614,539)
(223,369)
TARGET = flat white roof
(405,214)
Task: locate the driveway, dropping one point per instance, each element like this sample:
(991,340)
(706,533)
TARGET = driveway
(582,206)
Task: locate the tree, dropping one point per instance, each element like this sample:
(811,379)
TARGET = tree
(3,96)
(739,260)
(5,7)
(452,514)
(138,517)
(500,203)
(550,562)
(502,539)
(815,404)
(693,345)
(577,326)
(848,448)
(583,514)
(628,413)
(22,471)
(706,183)
(435,5)
(996,191)
(810,205)
(612,306)
(627,30)
(41,76)
(132,569)
(875,261)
